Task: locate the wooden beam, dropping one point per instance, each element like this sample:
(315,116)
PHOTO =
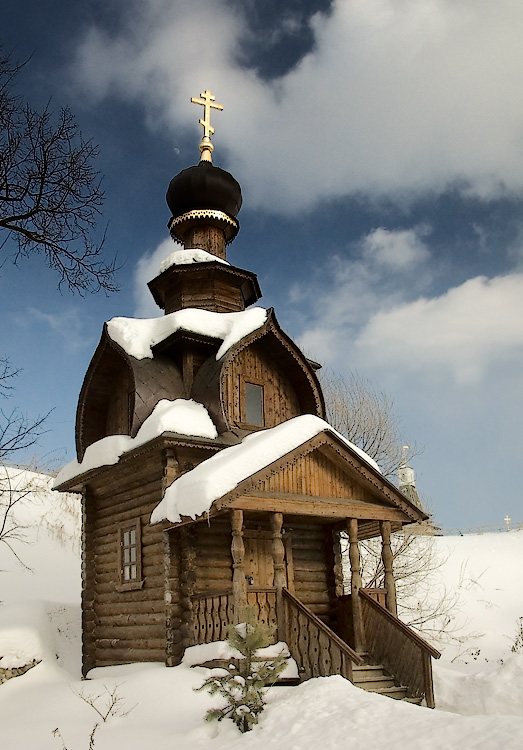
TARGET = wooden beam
(308,506)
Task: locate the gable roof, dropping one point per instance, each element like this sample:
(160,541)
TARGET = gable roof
(235,470)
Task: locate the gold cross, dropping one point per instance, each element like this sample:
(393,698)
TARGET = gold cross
(207,101)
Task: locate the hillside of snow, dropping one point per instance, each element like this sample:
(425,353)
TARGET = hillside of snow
(478,681)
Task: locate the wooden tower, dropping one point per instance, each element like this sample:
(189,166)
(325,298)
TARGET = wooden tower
(210,480)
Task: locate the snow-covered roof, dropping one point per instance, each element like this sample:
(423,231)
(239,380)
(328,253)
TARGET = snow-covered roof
(193,493)
(137,336)
(189,255)
(185,417)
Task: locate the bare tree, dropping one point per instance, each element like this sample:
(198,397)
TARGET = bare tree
(50,193)
(12,494)
(366,416)
(17,431)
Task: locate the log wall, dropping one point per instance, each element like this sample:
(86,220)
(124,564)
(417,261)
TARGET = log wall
(313,564)
(127,625)
(214,560)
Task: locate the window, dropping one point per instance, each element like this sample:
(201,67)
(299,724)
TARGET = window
(254,404)
(130,555)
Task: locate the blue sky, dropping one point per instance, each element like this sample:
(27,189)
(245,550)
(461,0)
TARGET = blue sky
(379,149)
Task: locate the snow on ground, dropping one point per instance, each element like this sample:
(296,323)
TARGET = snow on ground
(484,571)
(49,525)
(480,701)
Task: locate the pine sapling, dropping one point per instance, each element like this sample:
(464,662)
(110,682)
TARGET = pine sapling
(244,686)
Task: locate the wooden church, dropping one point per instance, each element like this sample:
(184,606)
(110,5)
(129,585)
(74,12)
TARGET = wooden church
(210,480)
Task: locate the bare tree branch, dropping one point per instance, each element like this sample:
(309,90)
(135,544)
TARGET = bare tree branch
(366,416)
(50,193)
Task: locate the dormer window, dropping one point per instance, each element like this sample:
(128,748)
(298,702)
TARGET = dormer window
(253,404)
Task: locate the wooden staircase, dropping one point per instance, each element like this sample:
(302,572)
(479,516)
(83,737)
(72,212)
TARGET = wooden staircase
(397,662)
(375,679)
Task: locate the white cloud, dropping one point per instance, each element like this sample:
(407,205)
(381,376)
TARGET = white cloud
(464,332)
(396,250)
(396,96)
(147,268)
(69,324)
(389,267)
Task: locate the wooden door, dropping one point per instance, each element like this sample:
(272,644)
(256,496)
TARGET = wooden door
(259,572)
(259,566)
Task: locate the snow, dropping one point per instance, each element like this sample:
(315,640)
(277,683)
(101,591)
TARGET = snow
(138,336)
(50,526)
(204,652)
(194,492)
(480,569)
(183,416)
(479,700)
(187,256)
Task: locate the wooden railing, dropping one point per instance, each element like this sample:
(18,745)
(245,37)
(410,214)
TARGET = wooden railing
(402,652)
(212,615)
(317,650)
(263,602)
(213,612)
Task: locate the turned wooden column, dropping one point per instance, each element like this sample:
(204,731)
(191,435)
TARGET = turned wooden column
(355,585)
(338,563)
(387,557)
(239,585)
(280,579)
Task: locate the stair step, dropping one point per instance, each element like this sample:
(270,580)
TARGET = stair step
(367,671)
(376,683)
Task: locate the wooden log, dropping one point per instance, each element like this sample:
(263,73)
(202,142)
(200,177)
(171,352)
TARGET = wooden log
(137,619)
(127,597)
(127,655)
(133,633)
(117,606)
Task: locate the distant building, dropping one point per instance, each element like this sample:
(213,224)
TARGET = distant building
(407,485)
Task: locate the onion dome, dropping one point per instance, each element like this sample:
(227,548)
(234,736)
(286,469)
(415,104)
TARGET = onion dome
(203,195)
(204,199)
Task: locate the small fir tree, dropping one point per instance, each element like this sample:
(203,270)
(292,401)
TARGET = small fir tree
(244,686)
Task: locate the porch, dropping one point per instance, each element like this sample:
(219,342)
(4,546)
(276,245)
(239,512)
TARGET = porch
(353,635)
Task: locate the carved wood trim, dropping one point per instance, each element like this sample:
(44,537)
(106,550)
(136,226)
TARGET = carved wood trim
(375,483)
(387,557)
(239,584)
(355,585)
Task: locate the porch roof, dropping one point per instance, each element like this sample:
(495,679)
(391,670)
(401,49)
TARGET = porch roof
(235,476)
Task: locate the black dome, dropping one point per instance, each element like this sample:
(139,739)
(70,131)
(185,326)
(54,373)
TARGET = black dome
(204,187)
